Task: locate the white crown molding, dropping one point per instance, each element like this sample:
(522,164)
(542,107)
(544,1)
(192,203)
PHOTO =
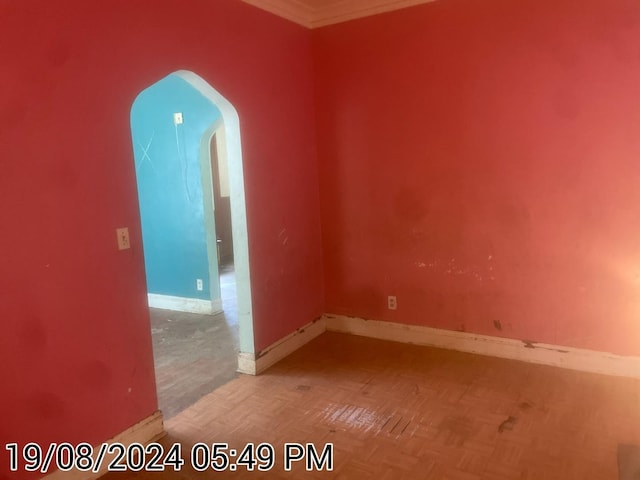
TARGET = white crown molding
(304,13)
(292,10)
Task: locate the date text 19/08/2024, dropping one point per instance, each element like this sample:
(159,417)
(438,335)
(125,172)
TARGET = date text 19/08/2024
(155,457)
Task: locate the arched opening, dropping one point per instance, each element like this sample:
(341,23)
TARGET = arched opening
(178,124)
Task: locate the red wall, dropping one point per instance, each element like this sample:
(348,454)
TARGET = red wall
(75,350)
(478,159)
(481,161)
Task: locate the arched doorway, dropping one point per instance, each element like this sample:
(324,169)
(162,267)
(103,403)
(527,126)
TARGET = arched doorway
(176,123)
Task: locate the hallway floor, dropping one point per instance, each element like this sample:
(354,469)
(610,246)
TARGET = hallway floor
(395,411)
(195,354)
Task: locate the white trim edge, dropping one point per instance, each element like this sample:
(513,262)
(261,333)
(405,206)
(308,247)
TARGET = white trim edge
(333,12)
(148,430)
(183,304)
(254,364)
(533,352)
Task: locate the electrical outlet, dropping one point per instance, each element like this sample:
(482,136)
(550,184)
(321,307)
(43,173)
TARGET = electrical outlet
(177,118)
(199,285)
(392,302)
(123,238)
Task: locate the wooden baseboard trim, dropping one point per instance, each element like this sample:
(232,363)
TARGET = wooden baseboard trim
(527,351)
(254,364)
(148,430)
(542,353)
(183,304)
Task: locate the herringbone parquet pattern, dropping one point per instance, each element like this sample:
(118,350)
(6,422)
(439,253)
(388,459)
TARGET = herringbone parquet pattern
(396,411)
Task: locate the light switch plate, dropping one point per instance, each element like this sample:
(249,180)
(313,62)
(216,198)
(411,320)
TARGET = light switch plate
(123,238)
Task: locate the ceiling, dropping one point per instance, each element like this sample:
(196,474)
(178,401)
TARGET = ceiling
(318,13)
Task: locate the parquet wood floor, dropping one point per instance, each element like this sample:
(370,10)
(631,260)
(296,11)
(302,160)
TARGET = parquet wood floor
(195,354)
(395,411)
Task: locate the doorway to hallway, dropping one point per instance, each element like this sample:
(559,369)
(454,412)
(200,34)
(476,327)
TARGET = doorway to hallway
(191,198)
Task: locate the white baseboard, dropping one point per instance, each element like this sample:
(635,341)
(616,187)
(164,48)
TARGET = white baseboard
(148,430)
(247,363)
(542,353)
(183,304)
(254,364)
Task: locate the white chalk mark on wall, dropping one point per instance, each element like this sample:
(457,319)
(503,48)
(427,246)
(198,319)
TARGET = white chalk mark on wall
(145,154)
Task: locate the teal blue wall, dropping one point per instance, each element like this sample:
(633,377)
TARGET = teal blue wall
(170,187)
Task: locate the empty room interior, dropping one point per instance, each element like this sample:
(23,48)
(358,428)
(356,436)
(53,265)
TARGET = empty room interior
(320,239)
